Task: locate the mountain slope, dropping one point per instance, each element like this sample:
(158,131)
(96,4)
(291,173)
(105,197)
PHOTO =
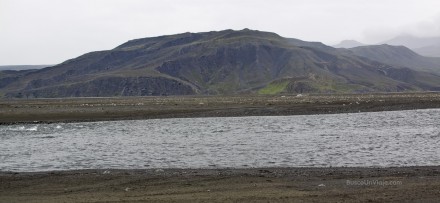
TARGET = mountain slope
(398,55)
(429,51)
(224,62)
(23,67)
(413,42)
(348,44)
(425,46)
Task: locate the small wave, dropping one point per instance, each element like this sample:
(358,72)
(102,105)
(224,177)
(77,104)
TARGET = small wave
(58,127)
(328,135)
(33,128)
(436,136)
(218,131)
(46,137)
(22,128)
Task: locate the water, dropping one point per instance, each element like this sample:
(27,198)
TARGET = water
(400,138)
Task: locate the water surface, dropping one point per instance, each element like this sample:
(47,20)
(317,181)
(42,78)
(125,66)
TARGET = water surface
(399,138)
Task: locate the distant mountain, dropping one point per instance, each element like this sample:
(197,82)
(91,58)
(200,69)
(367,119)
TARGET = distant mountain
(428,46)
(23,67)
(399,56)
(413,42)
(430,51)
(348,44)
(224,62)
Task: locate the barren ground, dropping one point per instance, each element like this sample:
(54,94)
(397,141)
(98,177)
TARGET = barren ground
(99,109)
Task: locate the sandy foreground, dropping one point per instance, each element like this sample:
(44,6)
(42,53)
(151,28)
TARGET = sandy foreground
(406,184)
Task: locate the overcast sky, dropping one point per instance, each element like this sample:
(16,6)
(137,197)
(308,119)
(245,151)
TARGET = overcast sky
(52,31)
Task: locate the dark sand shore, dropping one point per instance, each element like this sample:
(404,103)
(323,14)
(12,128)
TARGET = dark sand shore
(101,109)
(408,184)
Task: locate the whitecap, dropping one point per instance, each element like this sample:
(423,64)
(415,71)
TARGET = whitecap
(33,128)
(20,128)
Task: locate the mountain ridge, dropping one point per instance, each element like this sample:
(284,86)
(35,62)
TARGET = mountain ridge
(22,67)
(217,62)
(425,46)
(348,44)
(399,56)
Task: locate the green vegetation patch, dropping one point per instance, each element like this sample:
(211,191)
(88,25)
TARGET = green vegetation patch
(274,88)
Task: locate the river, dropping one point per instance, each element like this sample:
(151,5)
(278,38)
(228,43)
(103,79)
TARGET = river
(379,139)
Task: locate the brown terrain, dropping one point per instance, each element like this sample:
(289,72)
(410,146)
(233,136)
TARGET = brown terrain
(407,184)
(123,108)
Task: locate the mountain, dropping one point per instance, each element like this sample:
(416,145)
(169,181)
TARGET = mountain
(399,56)
(23,67)
(223,62)
(413,42)
(430,51)
(348,44)
(427,46)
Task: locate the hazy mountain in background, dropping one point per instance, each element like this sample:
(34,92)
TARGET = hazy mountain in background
(348,44)
(428,46)
(413,42)
(23,67)
(430,51)
(399,56)
(224,62)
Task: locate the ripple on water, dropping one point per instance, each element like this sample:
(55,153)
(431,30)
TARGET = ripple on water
(22,128)
(365,139)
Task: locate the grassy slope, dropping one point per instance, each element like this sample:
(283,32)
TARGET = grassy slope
(274,88)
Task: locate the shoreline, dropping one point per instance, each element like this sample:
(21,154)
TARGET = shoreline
(58,110)
(357,184)
(347,170)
